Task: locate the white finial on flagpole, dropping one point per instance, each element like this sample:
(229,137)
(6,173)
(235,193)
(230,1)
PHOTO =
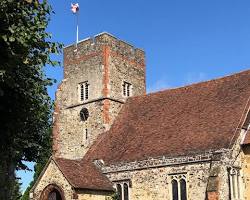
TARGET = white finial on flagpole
(75,10)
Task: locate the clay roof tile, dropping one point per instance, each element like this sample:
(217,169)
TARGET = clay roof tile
(201,117)
(83,174)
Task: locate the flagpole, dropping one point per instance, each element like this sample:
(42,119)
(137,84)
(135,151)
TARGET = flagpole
(75,10)
(77,28)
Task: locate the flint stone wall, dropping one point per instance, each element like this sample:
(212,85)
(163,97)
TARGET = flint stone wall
(105,62)
(52,175)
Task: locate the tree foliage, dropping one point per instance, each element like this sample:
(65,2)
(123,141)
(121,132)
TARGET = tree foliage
(39,166)
(15,192)
(25,106)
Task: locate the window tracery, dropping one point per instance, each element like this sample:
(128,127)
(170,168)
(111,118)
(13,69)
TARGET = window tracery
(179,187)
(122,188)
(235,183)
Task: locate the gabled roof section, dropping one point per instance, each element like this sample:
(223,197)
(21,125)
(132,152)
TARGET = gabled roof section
(83,174)
(41,174)
(201,117)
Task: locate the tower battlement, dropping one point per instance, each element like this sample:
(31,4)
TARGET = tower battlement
(93,46)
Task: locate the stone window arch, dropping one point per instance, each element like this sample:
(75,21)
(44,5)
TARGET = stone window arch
(235,183)
(174,189)
(52,192)
(123,189)
(178,187)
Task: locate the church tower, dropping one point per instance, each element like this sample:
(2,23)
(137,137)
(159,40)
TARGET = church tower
(98,78)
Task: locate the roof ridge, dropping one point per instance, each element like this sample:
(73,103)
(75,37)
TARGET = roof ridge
(204,115)
(194,84)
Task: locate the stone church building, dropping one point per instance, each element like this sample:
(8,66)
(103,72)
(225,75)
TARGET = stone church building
(110,137)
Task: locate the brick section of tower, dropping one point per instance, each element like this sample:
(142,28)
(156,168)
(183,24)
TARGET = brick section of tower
(106,80)
(105,62)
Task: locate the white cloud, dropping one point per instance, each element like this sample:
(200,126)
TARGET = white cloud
(195,77)
(158,85)
(191,77)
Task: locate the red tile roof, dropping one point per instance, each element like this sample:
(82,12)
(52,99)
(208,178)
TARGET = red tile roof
(83,174)
(187,120)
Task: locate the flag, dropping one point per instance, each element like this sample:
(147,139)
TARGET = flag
(74,7)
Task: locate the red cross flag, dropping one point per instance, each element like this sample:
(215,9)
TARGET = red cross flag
(74,7)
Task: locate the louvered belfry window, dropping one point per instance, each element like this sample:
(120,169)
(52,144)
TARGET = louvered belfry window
(84,91)
(127,89)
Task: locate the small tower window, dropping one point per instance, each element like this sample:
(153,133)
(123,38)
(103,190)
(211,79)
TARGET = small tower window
(86,134)
(84,114)
(84,91)
(127,89)
(86,137)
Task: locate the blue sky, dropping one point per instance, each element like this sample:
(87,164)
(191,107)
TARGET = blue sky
(185,41)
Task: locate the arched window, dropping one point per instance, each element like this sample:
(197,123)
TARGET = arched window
(52,192)
(183,187)
(179,187)
(122,188)
(127,89)
(125,186)
(234,183)
(119,191)
(174,190)
(83,91)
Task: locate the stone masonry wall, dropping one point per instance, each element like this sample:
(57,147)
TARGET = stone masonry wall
(53,176)
(205,174)
(94,195)
(73,142)
(105,62)
(245,157)
(239,159)
(155,183)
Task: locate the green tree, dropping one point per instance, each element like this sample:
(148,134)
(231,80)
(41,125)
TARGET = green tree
(115,196)
(25,107)
(15,192)
(39,166)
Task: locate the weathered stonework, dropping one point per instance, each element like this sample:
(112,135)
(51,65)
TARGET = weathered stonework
(93,195)
(206,174)
(52,175)
(105,62)
(155,183)
(246,172)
